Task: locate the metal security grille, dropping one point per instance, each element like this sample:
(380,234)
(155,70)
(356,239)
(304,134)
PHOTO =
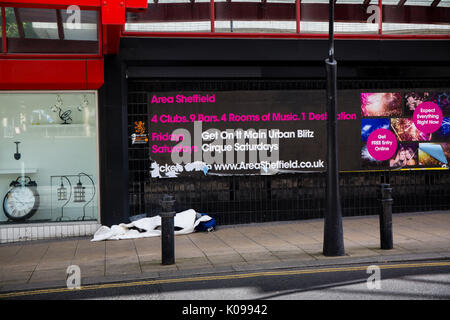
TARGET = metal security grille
(246,199)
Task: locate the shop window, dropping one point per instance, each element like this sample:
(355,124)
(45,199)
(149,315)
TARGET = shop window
(416,17)
(171,16)
(48,163)
(281,16)
(351,16)
(32,30)
(357,17)
(85,31)
(255,16)
(314,16)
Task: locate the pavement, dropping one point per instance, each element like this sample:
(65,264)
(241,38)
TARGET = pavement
(237,248)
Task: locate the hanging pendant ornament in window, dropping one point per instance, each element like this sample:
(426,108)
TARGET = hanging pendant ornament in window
(17,155)
(62,192)
(84,104)
(65,116)
(79,193)
(62,195)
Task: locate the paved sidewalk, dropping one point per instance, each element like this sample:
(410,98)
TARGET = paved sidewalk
(230,248)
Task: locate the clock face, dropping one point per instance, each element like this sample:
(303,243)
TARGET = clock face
(19,202)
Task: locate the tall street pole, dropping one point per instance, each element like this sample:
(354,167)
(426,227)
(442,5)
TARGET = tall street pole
(333,244)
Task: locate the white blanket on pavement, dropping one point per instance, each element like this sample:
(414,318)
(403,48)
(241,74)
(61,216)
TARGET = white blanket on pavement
(185,220)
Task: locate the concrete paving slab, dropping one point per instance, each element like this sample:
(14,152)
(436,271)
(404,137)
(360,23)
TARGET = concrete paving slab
(122,260)
(122,268)
(315,237)
(395,251)
(95,261)
(269,241)
(118,248)
(210,243)
(156,267)
(48,275)
(53,264)
(311,248)
(14,277)
(150,257)
(147,246)
(267,266)
(29,254)
(293,255)
(92,270)
(226,259)
(87,246)
(8,252)
(190,263)
(236,239)
(89,256)
(259,257)
(360,252)
(185,248)
(289,234)
(198,271)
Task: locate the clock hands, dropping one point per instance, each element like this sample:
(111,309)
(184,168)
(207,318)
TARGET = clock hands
(15,199)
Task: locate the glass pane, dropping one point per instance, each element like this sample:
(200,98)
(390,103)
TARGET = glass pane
(314,16)
(254,16)
(34,30)
(12,30)
(417,17)
(48,163)
(355,17)
(171,16)
(426,3)
(391,2)
(38,23)
(351,16)
(86,29)
(444,3)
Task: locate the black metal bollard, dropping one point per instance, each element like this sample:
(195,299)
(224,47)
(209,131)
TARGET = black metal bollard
(386,217)
(167,232)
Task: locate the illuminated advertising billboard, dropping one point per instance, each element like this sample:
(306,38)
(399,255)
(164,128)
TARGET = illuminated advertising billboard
(270,132)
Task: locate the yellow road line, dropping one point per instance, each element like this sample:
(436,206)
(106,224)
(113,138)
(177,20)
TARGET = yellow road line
(219,277)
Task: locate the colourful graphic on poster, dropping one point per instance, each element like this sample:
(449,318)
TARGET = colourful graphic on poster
(442,99)
(422,123)
(370,125)
(412,100)
(443,134)
(384,104)
(405,130)
(406,156)
(434,154)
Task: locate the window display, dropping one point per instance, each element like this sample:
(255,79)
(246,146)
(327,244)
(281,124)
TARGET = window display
(48,163)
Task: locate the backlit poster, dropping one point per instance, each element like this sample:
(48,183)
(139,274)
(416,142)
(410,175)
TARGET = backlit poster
(271,132)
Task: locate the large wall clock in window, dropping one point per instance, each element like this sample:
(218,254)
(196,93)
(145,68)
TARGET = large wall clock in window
(22,199)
